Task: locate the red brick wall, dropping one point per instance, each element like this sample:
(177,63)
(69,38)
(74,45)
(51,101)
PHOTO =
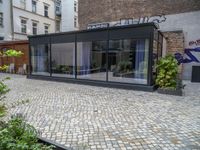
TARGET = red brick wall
(175,43)
(17,45)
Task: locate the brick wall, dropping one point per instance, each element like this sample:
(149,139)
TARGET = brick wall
(93,11)
(175,43)
(17,45)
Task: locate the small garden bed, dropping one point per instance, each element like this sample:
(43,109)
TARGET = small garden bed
(167,77)
(173,91)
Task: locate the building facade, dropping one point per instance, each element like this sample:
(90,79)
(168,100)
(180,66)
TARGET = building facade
(20,18)
(117,56)
(5,21)
(69,15)
(178,20)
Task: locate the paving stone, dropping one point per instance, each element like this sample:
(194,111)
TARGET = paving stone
(80,116)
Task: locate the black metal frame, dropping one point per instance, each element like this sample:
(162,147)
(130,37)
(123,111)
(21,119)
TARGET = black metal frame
(138,31)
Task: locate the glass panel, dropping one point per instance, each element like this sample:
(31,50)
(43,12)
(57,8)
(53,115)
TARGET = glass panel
(91,60)
(63,60)
(40,60)
(128,61)
(155,59)
(159,50)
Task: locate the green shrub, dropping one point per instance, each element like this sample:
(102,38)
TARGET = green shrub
(124,66)
(2,110)
(3,88)
(18,135)
(167,68)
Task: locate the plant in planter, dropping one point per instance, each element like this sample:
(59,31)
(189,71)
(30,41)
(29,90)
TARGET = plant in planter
(123,69)
(167,71)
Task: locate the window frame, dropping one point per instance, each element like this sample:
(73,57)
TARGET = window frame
(34,6)
(23,25)
(23,4)
(58,6)
(46,11)
(1,19)
(34,27)
(46,30)
(58,25)
(75,21)
(75,6)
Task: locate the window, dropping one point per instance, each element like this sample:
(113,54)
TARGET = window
(1,19)
(58,7)
(46,10)
(63,60)
(75,21)
(34,6)
(91,60)
(34,25)
(23,4)
(23,25)
(75,6)
(40,59)
(46,29)
(58,26)
(128,60)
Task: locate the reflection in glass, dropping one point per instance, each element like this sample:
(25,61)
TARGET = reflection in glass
(40,60)
(128,61)
(91,60)
(63,60)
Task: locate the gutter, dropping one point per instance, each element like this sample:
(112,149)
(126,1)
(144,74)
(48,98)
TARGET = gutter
(11,17)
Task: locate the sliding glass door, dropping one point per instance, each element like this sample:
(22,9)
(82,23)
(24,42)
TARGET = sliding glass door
(63,60)
(40,59)
(128,60)
(91,60)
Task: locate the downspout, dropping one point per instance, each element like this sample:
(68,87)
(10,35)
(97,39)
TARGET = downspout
(11,16)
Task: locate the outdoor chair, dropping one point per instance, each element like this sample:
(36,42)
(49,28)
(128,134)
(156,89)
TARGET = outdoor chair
(12,68)
(23,69)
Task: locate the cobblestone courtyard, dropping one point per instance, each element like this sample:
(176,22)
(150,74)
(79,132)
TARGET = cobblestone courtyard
(80,116)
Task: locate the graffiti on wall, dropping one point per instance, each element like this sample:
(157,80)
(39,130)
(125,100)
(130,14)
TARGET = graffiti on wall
(189,57)
(156,19)
(130,21)
(194,43)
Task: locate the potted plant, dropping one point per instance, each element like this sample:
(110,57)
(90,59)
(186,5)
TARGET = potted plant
(167,76)
(123,69)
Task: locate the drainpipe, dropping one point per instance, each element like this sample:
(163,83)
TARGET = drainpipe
(11,17)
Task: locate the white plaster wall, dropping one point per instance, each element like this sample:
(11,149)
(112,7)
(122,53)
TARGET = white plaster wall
(5,31)
(189,23)
(38,16)
(40,6)
(18,13)
(68,14)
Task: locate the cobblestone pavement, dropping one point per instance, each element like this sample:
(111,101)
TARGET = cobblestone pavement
(88,117)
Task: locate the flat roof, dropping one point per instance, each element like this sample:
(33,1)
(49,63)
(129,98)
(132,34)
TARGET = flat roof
(96,30)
